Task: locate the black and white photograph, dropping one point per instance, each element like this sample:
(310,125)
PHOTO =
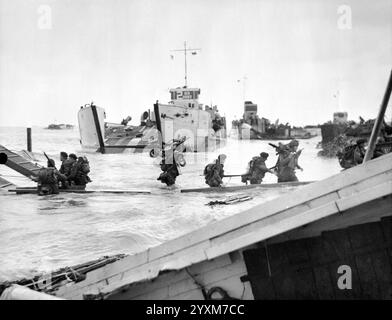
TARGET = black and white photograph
(204,151)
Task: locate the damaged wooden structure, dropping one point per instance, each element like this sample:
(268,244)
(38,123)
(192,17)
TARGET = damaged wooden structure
(287,248)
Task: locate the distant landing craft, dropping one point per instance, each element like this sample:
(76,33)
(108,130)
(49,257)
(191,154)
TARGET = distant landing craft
(251,126)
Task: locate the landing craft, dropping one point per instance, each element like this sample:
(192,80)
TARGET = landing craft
(203,128)
(251,126)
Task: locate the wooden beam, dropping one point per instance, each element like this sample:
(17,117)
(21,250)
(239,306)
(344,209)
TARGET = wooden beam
(379,121)
(246,187)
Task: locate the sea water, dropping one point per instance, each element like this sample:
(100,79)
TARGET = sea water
(41,234)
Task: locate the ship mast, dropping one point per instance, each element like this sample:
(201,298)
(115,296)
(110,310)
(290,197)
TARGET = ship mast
(185,50)
(243,80)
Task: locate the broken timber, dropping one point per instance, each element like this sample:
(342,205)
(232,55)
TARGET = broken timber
(230,200)
(19,164)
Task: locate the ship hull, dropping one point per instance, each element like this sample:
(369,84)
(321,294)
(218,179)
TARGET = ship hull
(195,124)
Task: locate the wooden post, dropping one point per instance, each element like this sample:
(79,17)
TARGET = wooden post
(379,121)
(29,145)
(159,128)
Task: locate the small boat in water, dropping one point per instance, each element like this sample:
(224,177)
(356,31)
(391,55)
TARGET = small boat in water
(252,127)
(61,126)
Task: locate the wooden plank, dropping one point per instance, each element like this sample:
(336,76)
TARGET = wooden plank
(369,283)
(365,196)
(383,271)
(246,187)
(320,251)
(378,208)
(323,283)
(262,288)
(277,258)
(194,294)
(284,286)
(256,262)
(181,282)
(174,277)
(365,184)
(159,294)
(305,287)
(100,275)
(266,230)
(299,269)
(367,235)
(21,191)
(151,270)
(386,225)
(182,287)
(227,277)
(130,262)
(117,267)
(297,252)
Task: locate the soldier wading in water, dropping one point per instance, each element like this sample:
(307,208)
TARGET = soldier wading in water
(256,169)
(170,163)
(288,161)
(71,174)
(213,172)
(47,179)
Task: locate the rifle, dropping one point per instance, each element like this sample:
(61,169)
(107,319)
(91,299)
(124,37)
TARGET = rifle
(49,160)
(273,145)
(228,175)
(233,175)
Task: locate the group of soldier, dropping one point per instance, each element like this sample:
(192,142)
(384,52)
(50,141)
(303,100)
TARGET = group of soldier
(353,154)
(284,169)
(73,173)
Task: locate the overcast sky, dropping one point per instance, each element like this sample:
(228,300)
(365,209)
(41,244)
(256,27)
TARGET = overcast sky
(295,55)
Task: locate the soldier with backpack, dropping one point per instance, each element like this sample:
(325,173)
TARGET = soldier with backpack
(47,182)
(173,159)
(352,155)
(287,161)
(256,169)
(79,172)
(213,172)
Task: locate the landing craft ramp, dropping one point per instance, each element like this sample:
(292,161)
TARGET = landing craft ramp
(18,163)
(5,183)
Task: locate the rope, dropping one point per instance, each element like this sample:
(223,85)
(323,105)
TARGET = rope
(201,287)
(268,262)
